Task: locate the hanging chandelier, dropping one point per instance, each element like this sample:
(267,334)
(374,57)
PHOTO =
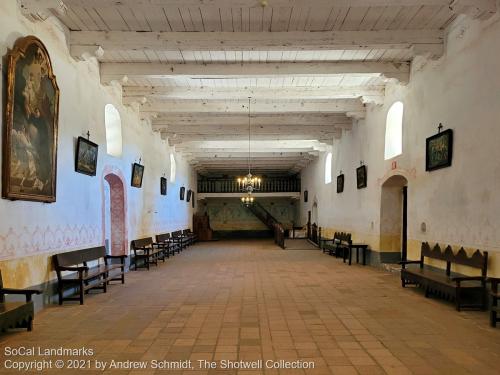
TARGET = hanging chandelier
(249,183)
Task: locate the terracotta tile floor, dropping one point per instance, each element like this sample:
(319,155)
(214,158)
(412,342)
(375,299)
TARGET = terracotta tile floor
(250,300)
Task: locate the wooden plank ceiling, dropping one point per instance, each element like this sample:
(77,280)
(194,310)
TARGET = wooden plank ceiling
(309,66)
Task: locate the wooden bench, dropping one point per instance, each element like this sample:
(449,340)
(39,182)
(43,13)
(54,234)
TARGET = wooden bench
(85,277)
(339,246)
(16,314)
(467,291)
(148,251)
(169,244)
(191,237)
(179,239)
(495,296)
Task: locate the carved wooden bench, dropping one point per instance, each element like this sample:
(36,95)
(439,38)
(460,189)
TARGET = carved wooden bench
(16,314)
(339,245)
(495,297)
(87,277)
(147,251)
(170,246)
(467,291)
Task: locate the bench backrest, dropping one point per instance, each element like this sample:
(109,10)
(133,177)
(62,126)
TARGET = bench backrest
(142,242)
(162,237)
(342,237)
(82,256)
(177,233)
(477,260)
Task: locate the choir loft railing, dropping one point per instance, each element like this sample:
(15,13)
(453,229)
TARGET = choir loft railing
(230,185)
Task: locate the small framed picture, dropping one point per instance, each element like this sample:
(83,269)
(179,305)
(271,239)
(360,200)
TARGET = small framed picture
(192,199)
(188,198)
(306,196)
(86,157)
(340,183)
(182,192)
(163,186)
(137,174)
(361,176)
(438,150)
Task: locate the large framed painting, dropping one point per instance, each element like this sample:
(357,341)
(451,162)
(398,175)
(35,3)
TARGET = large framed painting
(340,183)
(137,174)
(182,192)
(361,177)
(31,118)
(86,156)
(438,150)
(163,186)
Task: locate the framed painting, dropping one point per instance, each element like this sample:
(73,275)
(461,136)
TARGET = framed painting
(137,175)
(31,119)
(438,150)
(361,177)
(340,183)
(188,198)
(182,192)
(306,196)
(86,157)
(163,186)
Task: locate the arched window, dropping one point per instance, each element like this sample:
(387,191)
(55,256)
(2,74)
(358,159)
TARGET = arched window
(113,124)
(173,168)
(328,168)
(394,131)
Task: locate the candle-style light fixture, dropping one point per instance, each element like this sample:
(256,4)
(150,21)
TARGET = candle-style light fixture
(249,183)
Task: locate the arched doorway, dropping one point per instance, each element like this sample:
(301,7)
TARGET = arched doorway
(394,217)
(114,223)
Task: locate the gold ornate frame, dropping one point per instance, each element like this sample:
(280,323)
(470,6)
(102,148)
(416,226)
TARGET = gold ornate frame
(19,51)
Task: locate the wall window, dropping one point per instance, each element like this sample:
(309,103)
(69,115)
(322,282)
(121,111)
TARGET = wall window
(113,124)
(173,168)
(328,168)
(394,131)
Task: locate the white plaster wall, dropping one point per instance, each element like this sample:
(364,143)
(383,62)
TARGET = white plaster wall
(75,220)
(459,204)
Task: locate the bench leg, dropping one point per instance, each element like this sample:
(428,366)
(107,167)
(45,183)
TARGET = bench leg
(493,318)
(458,300)
(60,292)
(81,292)
(403,283)
(123,273)
(30,325)
(426,292)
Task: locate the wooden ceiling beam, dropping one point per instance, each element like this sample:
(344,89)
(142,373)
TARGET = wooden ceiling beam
(290,118)
(140,93)
(266,107)
(88,42)
(123,72)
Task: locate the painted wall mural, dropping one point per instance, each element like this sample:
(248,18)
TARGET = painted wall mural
(230,214)
(26,241)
